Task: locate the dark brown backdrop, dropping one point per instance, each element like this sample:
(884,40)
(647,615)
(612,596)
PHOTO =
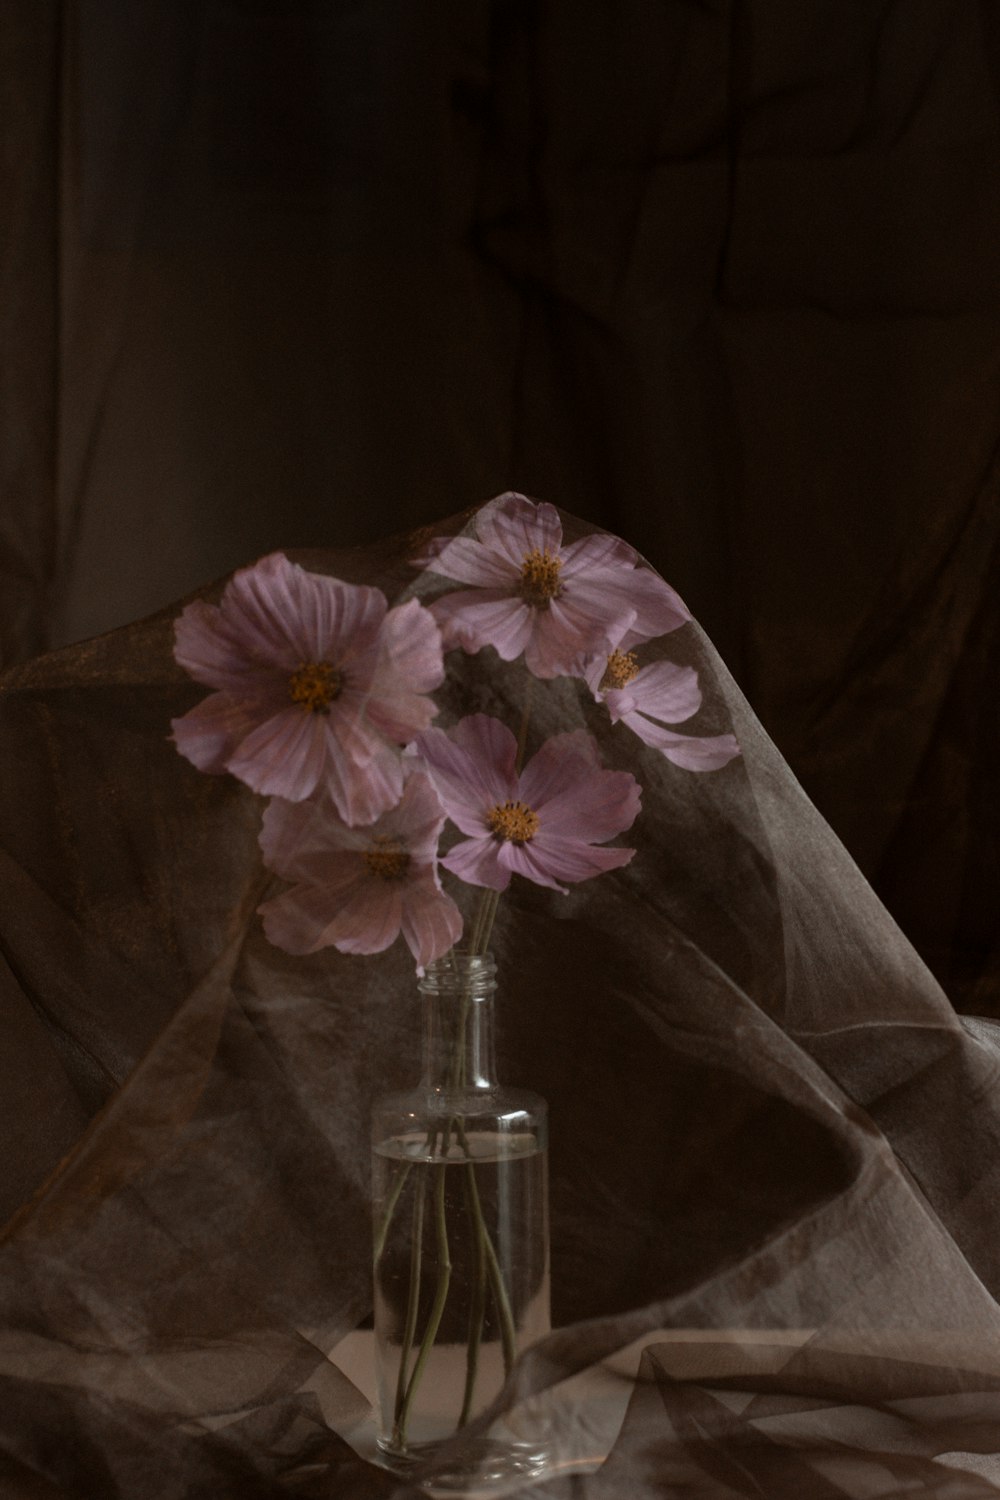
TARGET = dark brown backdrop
(719,274)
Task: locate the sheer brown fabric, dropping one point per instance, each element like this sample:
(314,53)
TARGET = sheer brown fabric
(775,1147)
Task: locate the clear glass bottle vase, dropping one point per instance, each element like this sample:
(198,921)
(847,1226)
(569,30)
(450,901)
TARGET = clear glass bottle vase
(461,1264)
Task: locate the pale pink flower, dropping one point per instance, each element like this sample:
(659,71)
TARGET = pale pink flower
(542,823)
(643,697)
(533,595)
(318,683)
(357,889)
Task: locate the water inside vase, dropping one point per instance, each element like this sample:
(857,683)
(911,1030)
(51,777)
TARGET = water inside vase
(459,1233)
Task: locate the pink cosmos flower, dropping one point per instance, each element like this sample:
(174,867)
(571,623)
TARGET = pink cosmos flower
(357,889)
(641,697)
(531,594)
(542,823)
(317,684)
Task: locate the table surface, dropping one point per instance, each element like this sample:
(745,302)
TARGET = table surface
(588,1409)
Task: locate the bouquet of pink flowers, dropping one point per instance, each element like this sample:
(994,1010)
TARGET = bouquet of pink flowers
(322,702)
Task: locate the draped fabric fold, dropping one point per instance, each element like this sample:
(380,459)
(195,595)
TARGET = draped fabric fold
(775,1147)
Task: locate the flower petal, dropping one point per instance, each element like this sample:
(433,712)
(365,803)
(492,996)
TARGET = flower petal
(571,860)
(597,807)
(468,561)
(513,526)
(694,753)
(209,648)
(296,834)
(557,766)
(288,616)
(361,793)
(619,570)
(284,756)
(417,819)
(658,607)
(663,690)
(476,618)
(410,665)
(472,768)
(431,922)
(491,744)
(563,633)
(601,549)
(298,921)
(370,920)
(573,795)
(476,861)
(524,859)
(208,734)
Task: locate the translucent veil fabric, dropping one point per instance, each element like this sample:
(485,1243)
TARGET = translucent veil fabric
(775,1160)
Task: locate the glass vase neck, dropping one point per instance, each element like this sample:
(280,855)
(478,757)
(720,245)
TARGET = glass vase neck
(458,1050)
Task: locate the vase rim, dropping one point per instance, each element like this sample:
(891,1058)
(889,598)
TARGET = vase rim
(462,969)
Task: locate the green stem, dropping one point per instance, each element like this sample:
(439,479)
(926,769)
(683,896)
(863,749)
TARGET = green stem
(490,911)
(437,1308)
(412,1303)
(390,1209)
(477,1307)
(508,1338)
(476,944)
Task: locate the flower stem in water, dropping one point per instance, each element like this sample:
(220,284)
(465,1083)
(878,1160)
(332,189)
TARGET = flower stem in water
(440,1298)
(412,1301)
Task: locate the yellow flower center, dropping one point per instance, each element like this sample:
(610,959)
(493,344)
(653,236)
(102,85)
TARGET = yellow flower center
(387,858)
(514,821)
(621,668)
(540,578)
(314,685)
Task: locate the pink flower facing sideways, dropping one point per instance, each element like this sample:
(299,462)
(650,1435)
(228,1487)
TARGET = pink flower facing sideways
(317,685)
(531,594)
(357,889)
(542,823)
(643,697)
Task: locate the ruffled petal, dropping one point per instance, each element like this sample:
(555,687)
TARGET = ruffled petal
(595,808)
(667,691)
(298,921)
(692,752)
(513,526)
(469,561)
(410,665)
(524,859)
(602,597)
(289,616)
(284,756)
(370,920)
(658,607)
(562,634)
(572,860)
(361,793)
(557,766)
(207,647)
(600,550)
(417,820)
(348,727)
(472,768)
(476,861)
(616,569)
(208,734)
(473,619)
(431,922)
(491,745)
(293,833)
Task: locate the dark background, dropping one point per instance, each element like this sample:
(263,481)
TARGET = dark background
(721,275)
